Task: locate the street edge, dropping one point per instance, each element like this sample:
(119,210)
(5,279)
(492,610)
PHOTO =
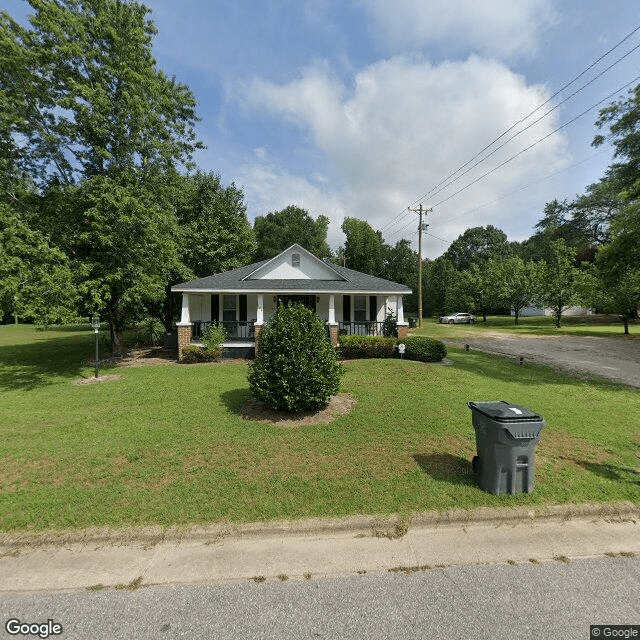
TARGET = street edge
(392,526)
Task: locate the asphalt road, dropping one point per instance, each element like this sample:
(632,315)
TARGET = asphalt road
(551,600)
(614,358)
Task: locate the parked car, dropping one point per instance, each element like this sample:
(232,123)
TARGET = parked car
(458,318)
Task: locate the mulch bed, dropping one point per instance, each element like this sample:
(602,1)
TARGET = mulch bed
(338,405)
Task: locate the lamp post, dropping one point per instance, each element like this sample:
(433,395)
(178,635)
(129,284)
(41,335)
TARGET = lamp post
(95,323)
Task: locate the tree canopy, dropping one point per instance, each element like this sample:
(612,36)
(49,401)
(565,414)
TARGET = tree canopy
(363,248)
(278,230)
(476,245)
(88,117)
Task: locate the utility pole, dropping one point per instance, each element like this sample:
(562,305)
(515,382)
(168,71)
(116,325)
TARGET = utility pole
(421,228)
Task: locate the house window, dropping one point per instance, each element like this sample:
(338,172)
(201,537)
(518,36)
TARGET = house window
(295,259)
(360,308)
(229,304)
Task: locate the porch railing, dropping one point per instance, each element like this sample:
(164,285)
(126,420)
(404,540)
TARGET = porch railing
(235,330)
(369,328)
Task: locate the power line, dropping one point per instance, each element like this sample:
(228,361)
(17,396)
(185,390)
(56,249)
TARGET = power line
(403,213)
(435,191)
(537,142)
(507,195)
(527,186)
(566,86)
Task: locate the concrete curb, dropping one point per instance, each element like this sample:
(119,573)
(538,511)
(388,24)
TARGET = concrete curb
(391,527)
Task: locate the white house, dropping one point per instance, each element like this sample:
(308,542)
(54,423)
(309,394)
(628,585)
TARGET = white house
(243,299)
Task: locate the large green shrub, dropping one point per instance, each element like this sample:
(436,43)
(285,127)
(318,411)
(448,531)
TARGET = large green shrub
(424,349)
(296,367)
(367,347)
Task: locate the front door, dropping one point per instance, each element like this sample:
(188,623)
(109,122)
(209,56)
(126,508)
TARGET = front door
(307,301)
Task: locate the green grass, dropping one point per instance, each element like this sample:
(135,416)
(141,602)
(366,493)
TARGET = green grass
(165,444)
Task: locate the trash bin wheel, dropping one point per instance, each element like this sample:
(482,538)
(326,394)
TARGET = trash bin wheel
(475,464)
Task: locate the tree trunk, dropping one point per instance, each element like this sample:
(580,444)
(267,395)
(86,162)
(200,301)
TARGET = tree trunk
(625,319)
(517,314)
(484,315)
(117,339)
(558,317)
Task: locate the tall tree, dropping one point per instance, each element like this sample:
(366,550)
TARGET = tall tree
(560,283)
(476,245)
(623,120)
(363,247)
(517,283)
(440,280)
(478,287)
(104,131)
(401,265)
(86,97)
(278,230)
(214,233)
(35,277)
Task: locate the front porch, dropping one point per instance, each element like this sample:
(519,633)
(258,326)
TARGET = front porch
(244,315)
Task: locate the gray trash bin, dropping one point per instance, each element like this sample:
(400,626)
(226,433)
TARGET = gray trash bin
(506,438)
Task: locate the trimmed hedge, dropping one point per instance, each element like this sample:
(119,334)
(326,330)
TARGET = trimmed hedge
(424,349)
(194,353)
(367,347)
(417,348)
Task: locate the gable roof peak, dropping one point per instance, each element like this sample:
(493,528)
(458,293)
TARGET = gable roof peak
(295,247)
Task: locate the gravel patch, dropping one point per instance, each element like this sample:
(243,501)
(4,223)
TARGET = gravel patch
(612,358)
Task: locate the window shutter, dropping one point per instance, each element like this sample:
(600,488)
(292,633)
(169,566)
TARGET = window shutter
(243,307)
(373,308)
(215,307)
(346,308)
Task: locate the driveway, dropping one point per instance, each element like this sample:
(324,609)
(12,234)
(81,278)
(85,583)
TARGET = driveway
(614,358)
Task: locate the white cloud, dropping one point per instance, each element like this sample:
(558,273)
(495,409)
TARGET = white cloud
(270,188)
(501,28)
(402,128)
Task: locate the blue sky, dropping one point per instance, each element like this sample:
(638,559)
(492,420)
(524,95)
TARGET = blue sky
(360,107)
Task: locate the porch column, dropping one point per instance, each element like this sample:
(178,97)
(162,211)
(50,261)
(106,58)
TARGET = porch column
(259,323)
(184,326)
(184,319)
(260,309)
(403,327)
(332,324)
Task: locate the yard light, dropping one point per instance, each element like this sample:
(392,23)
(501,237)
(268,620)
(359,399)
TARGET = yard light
(401,348)
(95,323)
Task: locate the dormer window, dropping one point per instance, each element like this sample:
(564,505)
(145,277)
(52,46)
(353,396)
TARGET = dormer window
(295,259)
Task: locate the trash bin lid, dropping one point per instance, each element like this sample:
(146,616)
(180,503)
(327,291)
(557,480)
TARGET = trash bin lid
(502,411)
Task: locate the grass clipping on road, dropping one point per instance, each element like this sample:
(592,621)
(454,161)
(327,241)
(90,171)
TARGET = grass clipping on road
(168,445)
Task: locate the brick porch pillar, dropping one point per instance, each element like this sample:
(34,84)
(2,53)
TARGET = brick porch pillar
(257,331)
(333,334)
(184,337)
(403,331)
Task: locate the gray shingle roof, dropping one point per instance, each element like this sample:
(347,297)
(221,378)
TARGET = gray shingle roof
(233,281)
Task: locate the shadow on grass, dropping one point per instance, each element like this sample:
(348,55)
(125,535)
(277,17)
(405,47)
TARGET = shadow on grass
(235,399)
(38,364)
(446,466)
(611,471)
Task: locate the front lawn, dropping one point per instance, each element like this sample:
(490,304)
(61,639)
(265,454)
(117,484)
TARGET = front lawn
(165,444)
